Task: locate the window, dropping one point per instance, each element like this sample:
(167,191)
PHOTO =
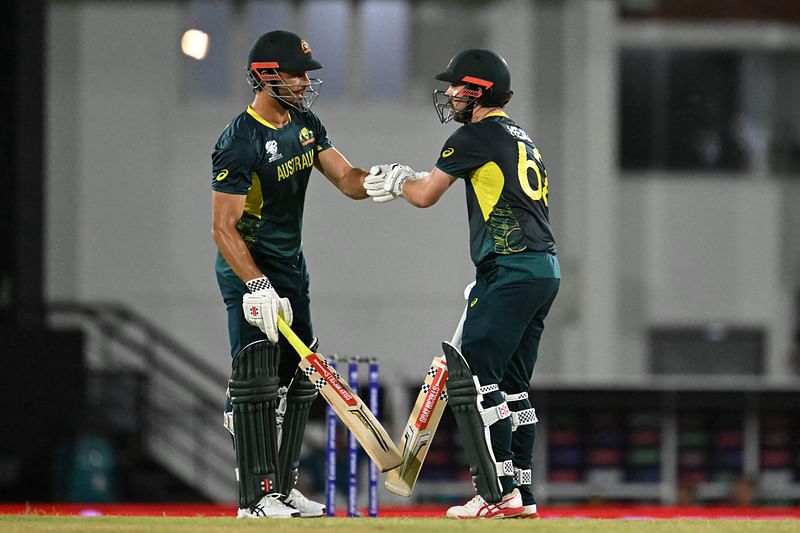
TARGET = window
(680,110)
(710,97)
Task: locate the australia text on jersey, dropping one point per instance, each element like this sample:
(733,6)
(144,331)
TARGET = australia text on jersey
(295,164)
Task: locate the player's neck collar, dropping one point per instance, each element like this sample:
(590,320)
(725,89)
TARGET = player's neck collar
(261,120)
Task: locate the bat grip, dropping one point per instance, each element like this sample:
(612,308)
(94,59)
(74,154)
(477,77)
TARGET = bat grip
(299,346)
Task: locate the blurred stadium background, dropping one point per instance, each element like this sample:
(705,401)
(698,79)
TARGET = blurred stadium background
(671,130)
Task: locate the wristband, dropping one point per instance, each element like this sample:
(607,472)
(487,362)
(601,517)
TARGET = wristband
(258,284)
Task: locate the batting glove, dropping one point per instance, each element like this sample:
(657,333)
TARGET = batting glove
(262,306)
(376,179)
(398,176)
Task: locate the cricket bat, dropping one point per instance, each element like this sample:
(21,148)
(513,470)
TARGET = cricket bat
(350,409)
(420,429)
(424,419)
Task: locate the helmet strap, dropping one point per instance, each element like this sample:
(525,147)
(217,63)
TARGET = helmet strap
(464,115)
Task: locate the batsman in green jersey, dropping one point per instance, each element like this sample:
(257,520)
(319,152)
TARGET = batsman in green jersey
(517,276)
(262,163)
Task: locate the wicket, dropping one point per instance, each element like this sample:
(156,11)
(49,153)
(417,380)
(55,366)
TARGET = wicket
(331,425)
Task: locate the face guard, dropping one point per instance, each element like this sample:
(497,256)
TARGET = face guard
(265,76)
(443,103)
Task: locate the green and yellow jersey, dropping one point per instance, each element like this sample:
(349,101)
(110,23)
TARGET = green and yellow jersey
(506,187)
(272,167)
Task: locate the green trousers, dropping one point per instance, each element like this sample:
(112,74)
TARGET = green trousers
(290,279)
(504,323)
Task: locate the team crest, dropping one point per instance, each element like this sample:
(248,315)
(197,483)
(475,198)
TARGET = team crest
(306,136)
(305,47)
(271,147)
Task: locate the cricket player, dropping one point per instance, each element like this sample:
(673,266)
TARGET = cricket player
(262,163)
(517,276)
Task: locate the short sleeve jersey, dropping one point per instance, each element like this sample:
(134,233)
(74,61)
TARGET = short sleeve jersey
(271,166)
(506,187)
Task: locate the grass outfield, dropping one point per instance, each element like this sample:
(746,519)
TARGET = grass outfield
(27,523)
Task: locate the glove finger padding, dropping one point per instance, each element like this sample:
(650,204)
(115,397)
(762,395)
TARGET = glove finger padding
(286,311)
(377,170)
(395,179)
(269,319)
(386,197)
(372,181)
(374,185)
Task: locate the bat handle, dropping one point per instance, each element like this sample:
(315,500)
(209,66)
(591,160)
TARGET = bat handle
(299,346)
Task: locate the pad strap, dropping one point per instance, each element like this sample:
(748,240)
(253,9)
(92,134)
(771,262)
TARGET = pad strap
(515,397)
(523,417)
(505,468)
(485,389)
(227,421)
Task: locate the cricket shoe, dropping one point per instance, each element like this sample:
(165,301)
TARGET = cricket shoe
(270,506)
(528,512)
(308,508)
(510,506)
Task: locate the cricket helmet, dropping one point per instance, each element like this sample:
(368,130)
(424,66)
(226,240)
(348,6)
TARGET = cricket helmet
(486,78)
(282,51)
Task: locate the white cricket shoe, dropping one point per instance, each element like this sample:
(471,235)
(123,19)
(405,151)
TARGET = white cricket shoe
(270,506)
(308,508)
(508,507)
(528,512)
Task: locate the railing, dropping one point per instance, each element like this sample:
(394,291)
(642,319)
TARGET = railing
(182,398)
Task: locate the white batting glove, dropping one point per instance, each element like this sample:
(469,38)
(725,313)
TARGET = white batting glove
(375,180)
(262,306)
(398,176)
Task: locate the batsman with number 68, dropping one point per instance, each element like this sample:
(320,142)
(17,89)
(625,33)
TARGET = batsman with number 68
(517,276)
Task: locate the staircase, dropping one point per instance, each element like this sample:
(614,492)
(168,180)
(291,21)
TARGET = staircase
(159,401)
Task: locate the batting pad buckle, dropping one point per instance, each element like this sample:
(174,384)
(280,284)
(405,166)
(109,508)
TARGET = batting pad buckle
(281,410)
(490,415)
(523,477)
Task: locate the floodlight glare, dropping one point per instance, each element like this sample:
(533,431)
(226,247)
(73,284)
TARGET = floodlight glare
(194,43)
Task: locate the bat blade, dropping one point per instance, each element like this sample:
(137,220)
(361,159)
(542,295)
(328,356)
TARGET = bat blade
(419,430)
(350,409)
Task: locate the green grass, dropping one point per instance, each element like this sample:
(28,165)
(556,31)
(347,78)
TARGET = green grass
(27,523)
